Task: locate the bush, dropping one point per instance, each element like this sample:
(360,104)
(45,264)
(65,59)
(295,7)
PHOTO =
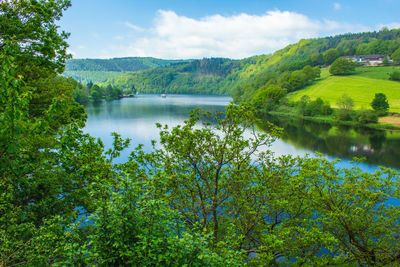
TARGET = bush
(395,75)
(314,108)
(342,66)
(367,116)
(345,115)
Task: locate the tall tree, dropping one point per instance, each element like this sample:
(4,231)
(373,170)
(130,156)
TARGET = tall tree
(38,46)
(380,103)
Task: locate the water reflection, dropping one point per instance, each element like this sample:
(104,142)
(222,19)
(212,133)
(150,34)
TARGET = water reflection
(135,118)
(377,146)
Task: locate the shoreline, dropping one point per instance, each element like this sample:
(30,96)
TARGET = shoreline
(331,120)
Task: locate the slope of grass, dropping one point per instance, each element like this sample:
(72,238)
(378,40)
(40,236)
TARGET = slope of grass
(361,89)
(376,72)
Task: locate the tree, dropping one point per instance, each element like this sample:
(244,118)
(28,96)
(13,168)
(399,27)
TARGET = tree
(317,59)
(297,80)
(96,93)
(287,210)
(330,55)
(380,104)
(268,96)
(38,46)
(29,35)
(385,61)
(345,104)
(46,171)
(342,66)
(396,55)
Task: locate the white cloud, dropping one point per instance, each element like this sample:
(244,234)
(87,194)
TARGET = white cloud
(337,6)
(238,36)
(133,27)
(393,25)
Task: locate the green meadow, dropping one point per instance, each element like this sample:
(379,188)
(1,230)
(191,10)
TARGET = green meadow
(361,87)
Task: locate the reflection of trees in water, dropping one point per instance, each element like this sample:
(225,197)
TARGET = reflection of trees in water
(377,139)
(344,141)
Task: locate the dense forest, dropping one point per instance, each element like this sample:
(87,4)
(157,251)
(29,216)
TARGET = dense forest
(213,195)
(206,76)
(99,70)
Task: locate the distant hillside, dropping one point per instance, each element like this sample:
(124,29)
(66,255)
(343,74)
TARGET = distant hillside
(206,76)
(99,70)
(313,52)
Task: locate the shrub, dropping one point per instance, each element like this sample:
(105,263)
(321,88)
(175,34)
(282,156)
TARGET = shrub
(367,116)
(314,108)
(345,115)
(395,75)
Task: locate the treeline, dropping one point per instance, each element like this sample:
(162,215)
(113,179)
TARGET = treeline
(92,92)
(87,76)
(99,70)
(266,90)
(118,64)
(206,76)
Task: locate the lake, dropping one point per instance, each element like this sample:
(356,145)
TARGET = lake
(136,117)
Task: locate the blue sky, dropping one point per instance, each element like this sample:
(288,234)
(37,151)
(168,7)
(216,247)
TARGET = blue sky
(219,28)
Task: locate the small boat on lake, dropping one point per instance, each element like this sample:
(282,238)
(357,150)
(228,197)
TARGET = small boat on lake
(163,95)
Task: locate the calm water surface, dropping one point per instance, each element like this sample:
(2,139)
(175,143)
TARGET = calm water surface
(135,118)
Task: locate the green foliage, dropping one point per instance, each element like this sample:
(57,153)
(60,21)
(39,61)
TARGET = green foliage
(85,76)
(125,64)
(38,46)
(316,107)
(396,55)
(206,76)
(367,116)
(206,196)
(317,59)
(100,70)
(342,66)
(380,104)
(395,75)
(81,94)
(385,61)
(96,92)
(130,229)
(345,102)
(330,55)
(268,96)
(346,105)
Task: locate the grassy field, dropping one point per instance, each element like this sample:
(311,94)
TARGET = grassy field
(361,87)
(376,72)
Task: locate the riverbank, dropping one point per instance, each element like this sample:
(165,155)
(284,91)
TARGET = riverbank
(384,123)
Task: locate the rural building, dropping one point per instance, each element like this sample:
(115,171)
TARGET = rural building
(369,59)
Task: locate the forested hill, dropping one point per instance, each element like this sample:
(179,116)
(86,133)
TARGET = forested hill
(205,76)
(99,70)
(243,78)
(284,67)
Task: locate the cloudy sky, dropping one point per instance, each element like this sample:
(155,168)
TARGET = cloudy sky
(172,29)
